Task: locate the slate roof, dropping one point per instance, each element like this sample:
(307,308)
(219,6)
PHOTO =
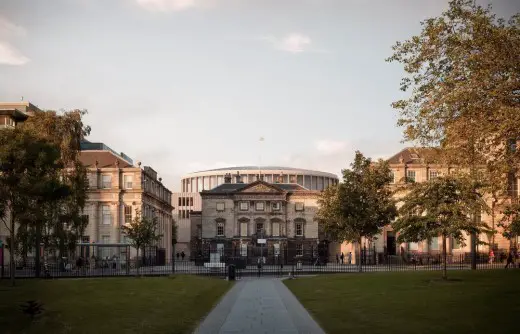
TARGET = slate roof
(414,155)
(104,159)
(234,187)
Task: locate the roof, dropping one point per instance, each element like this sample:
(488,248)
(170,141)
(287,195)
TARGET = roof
(105,159)
(265,168)
(414,155)
(236,187)
(15,113)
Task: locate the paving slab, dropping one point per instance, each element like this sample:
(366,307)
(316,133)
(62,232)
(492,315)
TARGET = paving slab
(259,306)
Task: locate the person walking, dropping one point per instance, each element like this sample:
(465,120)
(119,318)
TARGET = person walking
(178,255)
(491,257)
(337,258)
(259,265)
(509,259)
(349,258)
(182,255)
(342,257)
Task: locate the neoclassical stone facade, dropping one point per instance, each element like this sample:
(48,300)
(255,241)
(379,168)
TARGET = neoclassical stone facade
(236,218)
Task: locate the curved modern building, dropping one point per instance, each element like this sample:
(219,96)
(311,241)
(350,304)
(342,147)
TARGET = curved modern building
(209,179)
(192,184)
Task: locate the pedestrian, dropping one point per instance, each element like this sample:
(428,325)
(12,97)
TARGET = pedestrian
(178,255)
(509,259)
(182,255)
(342,257)
(259,265)
(349,258)
(491,257)
(337,258)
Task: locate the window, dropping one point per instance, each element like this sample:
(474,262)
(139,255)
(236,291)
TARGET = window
(183,201)
(128,214)
(105,251)
(220,229)
(243,229)
(433,174)
(392,176)
(413,246)
(259,206)
(410,176)
(299,229)
(299,206)
(244,206)
(191,201)
(107,215)
(277,206)
(220,206)
(276,230)
(107,181)
(128,181)
(259,229)
(180,201)
(105,239)
(455,244)
(299,250)
(434,243)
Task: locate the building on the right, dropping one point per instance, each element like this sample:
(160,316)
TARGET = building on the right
(419,165)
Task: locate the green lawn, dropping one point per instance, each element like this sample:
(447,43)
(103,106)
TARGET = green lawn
(110,305)
(418,302)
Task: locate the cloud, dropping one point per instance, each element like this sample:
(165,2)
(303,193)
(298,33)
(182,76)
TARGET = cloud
(328,147)
(167,5)
(10,55)
(293,43)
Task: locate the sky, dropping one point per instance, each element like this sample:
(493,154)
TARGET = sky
(188,85)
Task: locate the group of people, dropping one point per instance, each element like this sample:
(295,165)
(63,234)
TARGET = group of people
(510,259)
(181,255)
(340,258)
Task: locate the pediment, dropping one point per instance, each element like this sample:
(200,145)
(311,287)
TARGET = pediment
(260,187)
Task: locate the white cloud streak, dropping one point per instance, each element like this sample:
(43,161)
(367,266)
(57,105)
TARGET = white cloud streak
(294,43)
(10,55)
(167,5)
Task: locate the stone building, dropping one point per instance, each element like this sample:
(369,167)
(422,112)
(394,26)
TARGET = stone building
(116,189)
(260,219)
(12,113)
(418,165)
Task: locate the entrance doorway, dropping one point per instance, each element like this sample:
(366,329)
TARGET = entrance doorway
(390,243)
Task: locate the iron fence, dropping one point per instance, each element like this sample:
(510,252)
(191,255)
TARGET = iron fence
(274,265)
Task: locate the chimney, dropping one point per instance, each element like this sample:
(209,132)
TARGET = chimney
(227,178)
(238,178)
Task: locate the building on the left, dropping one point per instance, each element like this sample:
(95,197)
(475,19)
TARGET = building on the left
(117,187)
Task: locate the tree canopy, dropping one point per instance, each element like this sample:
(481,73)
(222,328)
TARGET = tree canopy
(439,207)
(361,205)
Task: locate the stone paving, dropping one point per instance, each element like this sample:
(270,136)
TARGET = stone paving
(261,305)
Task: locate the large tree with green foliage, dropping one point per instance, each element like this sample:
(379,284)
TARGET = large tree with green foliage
(510,221)
(360,206)
(439,207)
(463,75)
(142,232)
(64,221)
(27,166)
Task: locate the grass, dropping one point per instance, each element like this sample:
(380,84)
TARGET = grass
(418,302)
(110,305)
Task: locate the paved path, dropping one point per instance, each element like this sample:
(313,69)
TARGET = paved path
(259,306)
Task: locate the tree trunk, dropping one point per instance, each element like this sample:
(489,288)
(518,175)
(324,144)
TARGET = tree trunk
(360,266)
(12,266)
(37,263)
(444,255)
(137,261)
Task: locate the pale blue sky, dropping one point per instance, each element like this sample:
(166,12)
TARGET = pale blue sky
(184,85)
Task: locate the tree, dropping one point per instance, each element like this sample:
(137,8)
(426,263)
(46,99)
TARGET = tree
(462,71)
(510,221)
(63,218)
(142,232)
(360,206)
(26,162)
(438,207)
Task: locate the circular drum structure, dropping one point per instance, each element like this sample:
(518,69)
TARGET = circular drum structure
(209,179)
